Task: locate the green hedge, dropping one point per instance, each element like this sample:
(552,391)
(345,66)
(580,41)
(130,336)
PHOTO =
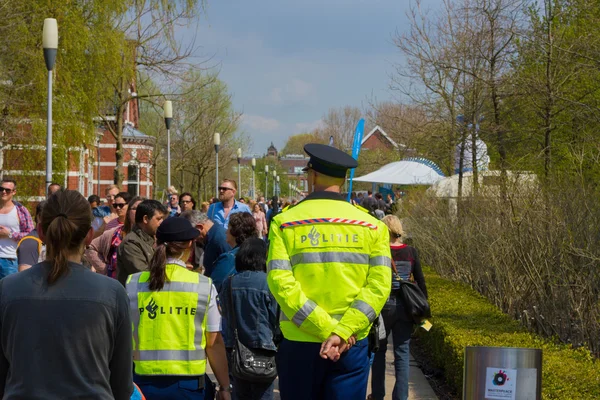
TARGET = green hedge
(462,317)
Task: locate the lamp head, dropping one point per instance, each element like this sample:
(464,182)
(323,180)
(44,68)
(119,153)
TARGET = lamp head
(239,153)
(50,34)
(168,111)
(50,42)
(217,139)
(253,162)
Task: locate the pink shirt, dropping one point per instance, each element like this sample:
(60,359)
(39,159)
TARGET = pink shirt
(112,224)
(261,222)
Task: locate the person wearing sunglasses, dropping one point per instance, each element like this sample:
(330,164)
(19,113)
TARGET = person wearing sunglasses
(102,252)
(173,205)
(119,206)
(15,224)
(227,205)
(187,202)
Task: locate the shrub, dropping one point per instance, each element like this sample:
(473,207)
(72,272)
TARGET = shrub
(463,317)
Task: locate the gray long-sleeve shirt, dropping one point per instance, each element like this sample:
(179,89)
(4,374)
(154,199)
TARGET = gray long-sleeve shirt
(68,340)
(134,253)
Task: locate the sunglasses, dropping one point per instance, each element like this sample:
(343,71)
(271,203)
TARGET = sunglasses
(119,205)
(224,189)
(5,190)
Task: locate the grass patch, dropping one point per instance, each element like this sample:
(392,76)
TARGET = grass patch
(463,317)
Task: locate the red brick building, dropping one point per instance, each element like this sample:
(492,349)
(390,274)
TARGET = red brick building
(87,168)
(378,139)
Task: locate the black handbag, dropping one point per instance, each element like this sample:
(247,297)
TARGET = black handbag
(415,303)
(254,365)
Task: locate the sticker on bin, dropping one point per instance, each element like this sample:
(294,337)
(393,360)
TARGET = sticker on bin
(500,384)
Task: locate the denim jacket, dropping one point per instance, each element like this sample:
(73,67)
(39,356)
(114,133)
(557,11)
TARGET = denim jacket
(256,311)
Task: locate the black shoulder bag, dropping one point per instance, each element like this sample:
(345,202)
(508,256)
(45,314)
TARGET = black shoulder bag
(255,365)
(414,301)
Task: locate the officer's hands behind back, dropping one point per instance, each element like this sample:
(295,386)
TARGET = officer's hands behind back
(335,346)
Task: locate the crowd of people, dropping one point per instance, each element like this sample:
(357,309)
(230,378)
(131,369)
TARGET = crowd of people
(196,280)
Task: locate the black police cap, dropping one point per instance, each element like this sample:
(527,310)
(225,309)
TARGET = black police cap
(328,160)
(176,229)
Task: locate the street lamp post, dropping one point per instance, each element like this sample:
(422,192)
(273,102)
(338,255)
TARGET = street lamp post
(274,183)
(168,114)
(266,182)
(253,181)
(217,142)
(277,186)
(50,45)
(239,159)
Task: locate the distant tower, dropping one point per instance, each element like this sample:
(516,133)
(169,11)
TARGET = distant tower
(272,151)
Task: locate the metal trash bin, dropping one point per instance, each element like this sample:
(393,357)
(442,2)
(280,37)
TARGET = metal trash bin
(502,373)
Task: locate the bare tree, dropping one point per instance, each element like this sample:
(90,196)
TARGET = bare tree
(152,50)
(340,123)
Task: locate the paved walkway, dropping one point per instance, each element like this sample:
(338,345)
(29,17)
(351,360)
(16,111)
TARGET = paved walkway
(419,388)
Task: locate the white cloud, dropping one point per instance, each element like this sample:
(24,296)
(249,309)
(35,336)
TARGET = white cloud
(294,91)
(259,123)
(302,127)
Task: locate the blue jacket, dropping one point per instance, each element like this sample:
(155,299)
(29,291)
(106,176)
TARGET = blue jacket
(223,268)
(256,311)
(215,245)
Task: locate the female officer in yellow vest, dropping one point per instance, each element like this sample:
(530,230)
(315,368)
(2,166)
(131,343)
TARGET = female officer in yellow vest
(176,322)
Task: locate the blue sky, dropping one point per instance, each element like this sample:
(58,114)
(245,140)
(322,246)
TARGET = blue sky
(287,62)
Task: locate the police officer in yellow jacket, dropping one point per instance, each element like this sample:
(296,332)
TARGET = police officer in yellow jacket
(176,322)
(329,268)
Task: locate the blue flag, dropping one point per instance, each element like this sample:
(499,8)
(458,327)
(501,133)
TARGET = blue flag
(358,136)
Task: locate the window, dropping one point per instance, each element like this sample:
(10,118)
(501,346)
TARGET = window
(133,181)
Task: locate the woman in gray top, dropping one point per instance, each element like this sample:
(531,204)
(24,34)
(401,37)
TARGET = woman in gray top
(65,331)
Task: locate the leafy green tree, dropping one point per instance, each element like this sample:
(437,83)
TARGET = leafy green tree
(295,143)
(89,47)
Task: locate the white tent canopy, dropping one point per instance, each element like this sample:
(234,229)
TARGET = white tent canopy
(412,171)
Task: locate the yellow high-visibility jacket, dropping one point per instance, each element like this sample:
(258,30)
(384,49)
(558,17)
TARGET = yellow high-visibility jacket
(169,324)
(329,268)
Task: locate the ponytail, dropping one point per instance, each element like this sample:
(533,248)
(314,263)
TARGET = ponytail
(158,264)
(158,270)
(66,221)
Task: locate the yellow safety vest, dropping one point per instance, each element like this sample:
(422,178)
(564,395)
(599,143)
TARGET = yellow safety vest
(169,325)
(329,268)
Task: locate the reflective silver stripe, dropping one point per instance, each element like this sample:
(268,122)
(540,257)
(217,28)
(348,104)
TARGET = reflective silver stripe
(304,312)
(364,308)
(279,264)
(185,287)
(330,256)
(201,310)
(379,261)
(169,355)
(132,292)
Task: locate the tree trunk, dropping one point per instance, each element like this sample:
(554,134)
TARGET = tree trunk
(119,153)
